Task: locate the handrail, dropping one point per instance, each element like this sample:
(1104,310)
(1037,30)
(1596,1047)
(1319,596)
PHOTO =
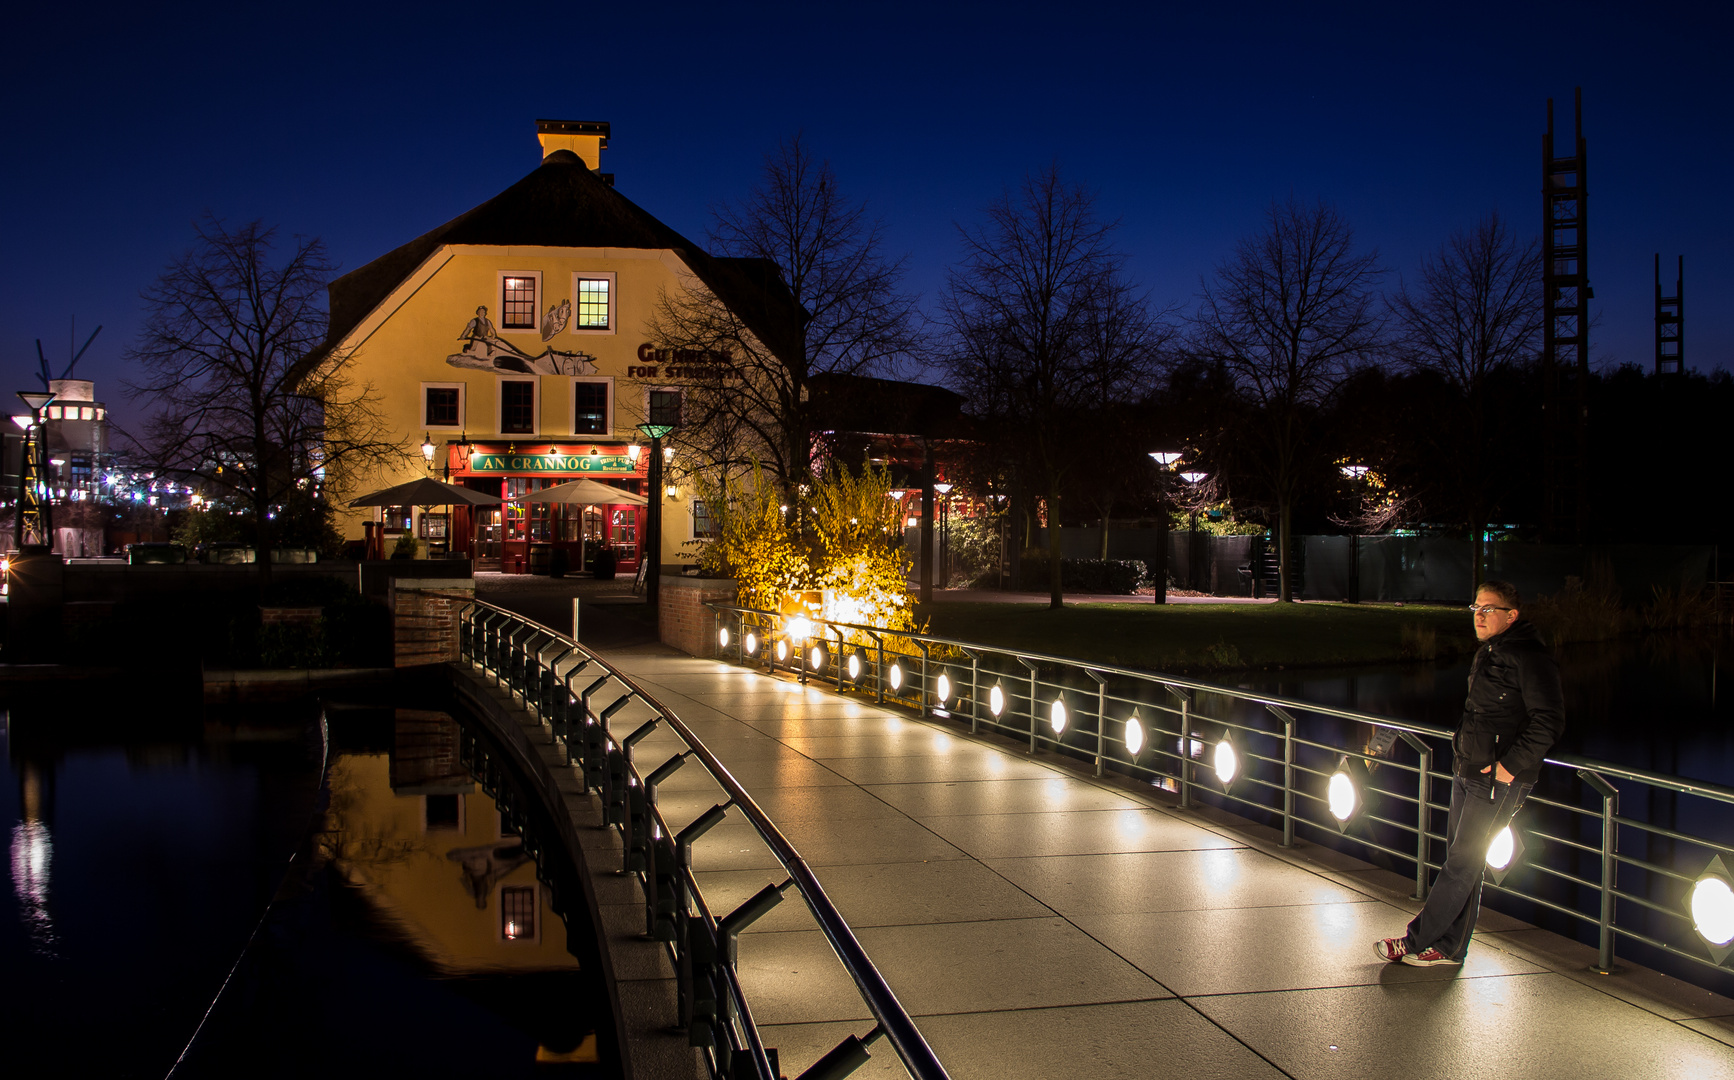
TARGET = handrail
(486,625)
(1288,783)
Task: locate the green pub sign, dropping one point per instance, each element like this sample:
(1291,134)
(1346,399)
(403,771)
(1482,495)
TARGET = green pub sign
(599,464)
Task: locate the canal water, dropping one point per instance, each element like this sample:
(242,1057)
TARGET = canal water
(312,893)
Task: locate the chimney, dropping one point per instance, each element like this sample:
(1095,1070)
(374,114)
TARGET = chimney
(586,138)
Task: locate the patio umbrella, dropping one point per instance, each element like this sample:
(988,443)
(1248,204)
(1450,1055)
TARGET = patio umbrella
(427,492)
(585,493)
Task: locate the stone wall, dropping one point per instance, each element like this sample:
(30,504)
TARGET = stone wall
(685,622)
(424,618)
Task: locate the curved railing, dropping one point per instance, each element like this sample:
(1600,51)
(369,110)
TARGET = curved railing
(1571,844)
(539,665)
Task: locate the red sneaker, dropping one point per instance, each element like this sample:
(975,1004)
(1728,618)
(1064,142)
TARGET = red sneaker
(1392,949)
(1428,958)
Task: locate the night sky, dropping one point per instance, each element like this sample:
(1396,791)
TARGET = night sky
(369,125)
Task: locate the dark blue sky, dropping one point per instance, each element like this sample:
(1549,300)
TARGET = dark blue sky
(368,125)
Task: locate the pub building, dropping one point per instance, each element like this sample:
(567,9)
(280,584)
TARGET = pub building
(513,345)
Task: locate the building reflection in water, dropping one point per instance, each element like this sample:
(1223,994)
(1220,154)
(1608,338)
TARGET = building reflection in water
(33,854)
(412,832)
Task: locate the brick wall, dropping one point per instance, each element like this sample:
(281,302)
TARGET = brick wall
(290,616)
(685,622)
(424,619)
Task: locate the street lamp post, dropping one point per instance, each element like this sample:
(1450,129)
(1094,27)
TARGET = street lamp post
(944,491)
(1165,460)
(653,518)
(1193,479)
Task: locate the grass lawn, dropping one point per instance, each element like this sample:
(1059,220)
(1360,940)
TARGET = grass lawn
(1211,637)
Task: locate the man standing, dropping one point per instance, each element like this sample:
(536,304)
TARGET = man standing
(1514,713)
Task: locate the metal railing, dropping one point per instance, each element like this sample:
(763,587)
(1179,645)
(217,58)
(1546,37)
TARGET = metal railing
(1573,844)
(562,683)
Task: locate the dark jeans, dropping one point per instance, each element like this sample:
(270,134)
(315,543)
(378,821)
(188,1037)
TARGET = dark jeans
(1448,918)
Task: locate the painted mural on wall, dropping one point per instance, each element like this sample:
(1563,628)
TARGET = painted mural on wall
(485,350)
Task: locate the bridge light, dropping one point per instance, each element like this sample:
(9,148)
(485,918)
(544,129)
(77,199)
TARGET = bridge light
(1504,852)
(722,638)
(782,649)
(896,676)
(1346,794)
(1057,715)
(942,687)
(816,658)
(1225,760)
(1711,903)
(752,643)
(854,667)
(1134,735)
(996,699)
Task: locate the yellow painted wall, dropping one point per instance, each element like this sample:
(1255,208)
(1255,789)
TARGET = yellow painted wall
(405,342)
(378,840)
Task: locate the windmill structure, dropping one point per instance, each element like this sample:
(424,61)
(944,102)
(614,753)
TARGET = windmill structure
(47,379)
(33,525)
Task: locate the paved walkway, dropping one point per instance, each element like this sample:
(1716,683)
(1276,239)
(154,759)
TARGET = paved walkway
(1041,924)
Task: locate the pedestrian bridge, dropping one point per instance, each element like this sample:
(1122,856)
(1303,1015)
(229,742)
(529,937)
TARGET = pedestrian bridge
(1037,921)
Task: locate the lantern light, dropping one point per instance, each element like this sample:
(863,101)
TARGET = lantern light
(427,447)
(633,451)
(996,699)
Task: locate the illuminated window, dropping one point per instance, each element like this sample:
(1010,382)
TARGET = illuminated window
(590,407)
(665,407)
(396,518)
(518,303)
(518,912)
(593,298)
(517,406)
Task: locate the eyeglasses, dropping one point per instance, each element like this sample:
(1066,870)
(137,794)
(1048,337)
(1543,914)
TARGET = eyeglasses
(1482,609)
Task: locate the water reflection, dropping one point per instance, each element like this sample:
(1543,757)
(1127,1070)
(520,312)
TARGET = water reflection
(32,855)
(428,852)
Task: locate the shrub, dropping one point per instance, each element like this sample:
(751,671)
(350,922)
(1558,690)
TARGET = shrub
(1419,642)
(1579,612)
(1115,576)
(1676,609)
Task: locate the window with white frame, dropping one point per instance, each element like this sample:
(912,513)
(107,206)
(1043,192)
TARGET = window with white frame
(703,525)
(519,406)
(520,292)
(442,406)
(593,303)
(592,406)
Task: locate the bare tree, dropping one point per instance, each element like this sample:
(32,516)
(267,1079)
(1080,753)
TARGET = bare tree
(1475,311)
(795,236)
(244,401)
(1289,316)
(1045,330)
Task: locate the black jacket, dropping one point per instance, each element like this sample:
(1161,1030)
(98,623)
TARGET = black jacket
(1515,710)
